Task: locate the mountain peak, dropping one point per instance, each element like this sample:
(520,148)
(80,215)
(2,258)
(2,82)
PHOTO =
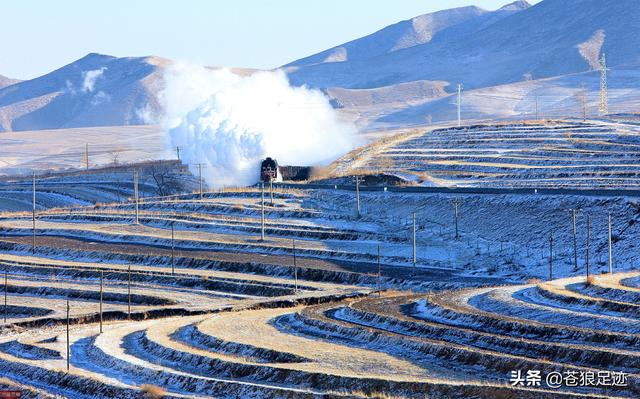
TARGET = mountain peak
(5,81)
(96,56)
(516,5)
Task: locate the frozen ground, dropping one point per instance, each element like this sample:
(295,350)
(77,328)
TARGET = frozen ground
(555,154)
(97,185)
(197,304)
(61,149)
(275,343)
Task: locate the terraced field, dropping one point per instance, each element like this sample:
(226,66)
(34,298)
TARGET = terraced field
(106,184)
(192,302)
(565,326)
(551,154)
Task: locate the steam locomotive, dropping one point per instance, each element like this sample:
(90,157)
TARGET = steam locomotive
(270,171)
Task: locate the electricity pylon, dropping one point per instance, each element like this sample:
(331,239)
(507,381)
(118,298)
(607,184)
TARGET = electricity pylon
(604,97)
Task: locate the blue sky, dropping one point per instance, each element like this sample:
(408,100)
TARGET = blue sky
(39,36)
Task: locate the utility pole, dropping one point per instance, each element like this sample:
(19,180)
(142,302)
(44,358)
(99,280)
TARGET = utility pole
(262,212)
(68,347)
(575,242)
(101,291)
(271,189)
(456,203)
(200,179)
(414,243)
(178,148)
(173,270)
(610,248)
(358,197)
(379,274)
(459,103)
(33,217)
(6,284)
(550,256)
(129,293)
(588,242)
(135,195)
(86,156)
(536,107)
(604,96)
(295,264)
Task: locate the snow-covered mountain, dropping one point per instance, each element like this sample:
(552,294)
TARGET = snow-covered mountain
(483,48)
(419,30)
(404,71)
(5,81)
(96,90)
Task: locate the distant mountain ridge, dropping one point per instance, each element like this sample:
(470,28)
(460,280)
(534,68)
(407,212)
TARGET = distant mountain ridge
(409,33)
(394,73)
(96,90)
(5,81)
(486,48)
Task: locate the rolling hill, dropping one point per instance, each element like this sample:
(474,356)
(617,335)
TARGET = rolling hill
(487,49)
(5,81)
(96,90)
(409,33)
(400,75)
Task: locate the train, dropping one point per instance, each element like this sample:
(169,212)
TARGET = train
(271,171)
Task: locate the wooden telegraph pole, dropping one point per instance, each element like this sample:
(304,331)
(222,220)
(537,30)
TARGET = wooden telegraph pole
(135,195)
(5,294)
(575,242)
(413,270)
(262,212)
(610,248)
(129,293)
(295,265)
(200,179)
(550,256)
(379,273)
(358,197)
(101,297)
(588,243)
(271,189)
(33,216)
(173,261)
(68,346)
(456,203)
(86,157)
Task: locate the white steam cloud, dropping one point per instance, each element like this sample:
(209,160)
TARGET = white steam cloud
(89,79)
(590,49)
(230,123)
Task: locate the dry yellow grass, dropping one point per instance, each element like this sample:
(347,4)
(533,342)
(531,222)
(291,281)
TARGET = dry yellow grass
(152,391)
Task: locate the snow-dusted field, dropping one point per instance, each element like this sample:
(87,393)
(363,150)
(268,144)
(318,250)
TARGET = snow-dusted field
(536,155)
(238,316)
(61,149)
(196,304)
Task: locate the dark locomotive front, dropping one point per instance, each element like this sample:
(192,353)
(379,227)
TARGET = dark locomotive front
(269,170)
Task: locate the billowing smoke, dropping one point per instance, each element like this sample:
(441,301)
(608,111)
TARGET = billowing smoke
(230,123)
(590,49)
(89,79)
